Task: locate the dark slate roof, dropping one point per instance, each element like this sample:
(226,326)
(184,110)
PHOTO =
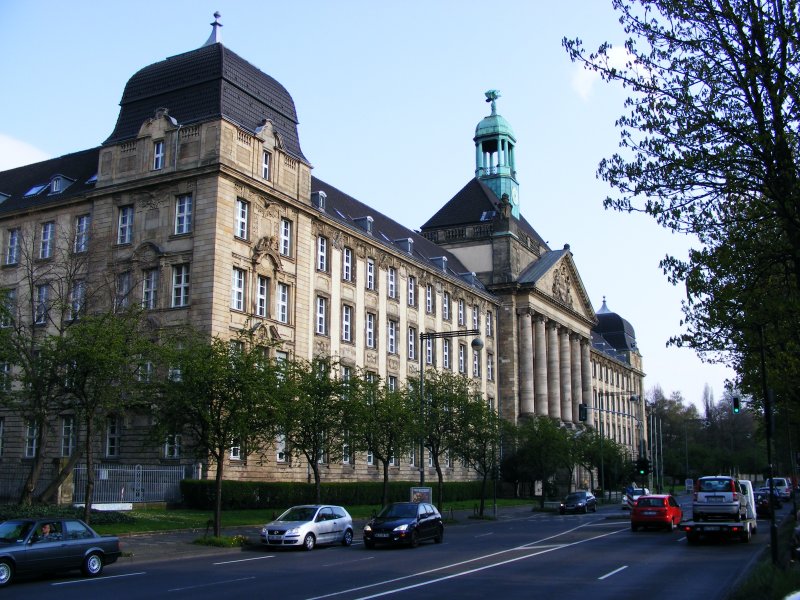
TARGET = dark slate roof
(601,344)
(78,169)
(535,270)
(615,330)
(385,231)
(207,83)
(468,207)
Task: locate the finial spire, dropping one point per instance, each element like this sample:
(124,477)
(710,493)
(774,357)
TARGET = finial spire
(216,31)
(492,96)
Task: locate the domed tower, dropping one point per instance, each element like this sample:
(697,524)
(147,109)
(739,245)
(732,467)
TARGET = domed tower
(494,155)
(617,332)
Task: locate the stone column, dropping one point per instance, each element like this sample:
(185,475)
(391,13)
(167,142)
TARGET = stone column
(525,362)
(553,372)
(575,362)
(540,370)
(586,381)
(566,375)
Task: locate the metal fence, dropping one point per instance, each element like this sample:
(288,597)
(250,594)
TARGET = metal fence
(132,483)
(13,478)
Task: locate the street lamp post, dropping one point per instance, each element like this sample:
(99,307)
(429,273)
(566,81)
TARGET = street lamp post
(476,344)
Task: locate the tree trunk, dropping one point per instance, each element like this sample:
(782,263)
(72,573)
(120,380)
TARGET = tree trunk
(89,490)
(385,499)
(483,494)
(440,491)
(317,481)
(48,496)
(26,497)
(218,494)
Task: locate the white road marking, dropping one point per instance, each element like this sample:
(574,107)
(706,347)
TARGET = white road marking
(98,578)
(195,587)
(614,572)
(228,562)
(348,562)
(485,534)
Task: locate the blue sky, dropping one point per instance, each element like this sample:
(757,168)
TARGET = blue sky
(388,94)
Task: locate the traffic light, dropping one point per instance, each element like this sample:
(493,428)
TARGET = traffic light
(643,466)
(737,405)
(583,411)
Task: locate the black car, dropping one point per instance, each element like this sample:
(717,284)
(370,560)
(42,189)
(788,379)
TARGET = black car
(763,505)
(36,546)
(404,523)
(578,502)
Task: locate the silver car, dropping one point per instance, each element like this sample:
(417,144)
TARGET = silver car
(308,525)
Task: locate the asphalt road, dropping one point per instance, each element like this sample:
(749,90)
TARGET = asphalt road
(521,555)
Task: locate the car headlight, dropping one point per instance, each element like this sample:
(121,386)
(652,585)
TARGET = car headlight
(581,503)
(293,531)
(401,527)
(264,530)
(367,527)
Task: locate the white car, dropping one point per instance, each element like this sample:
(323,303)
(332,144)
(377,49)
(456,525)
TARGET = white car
(781,486)
(308,525)
(631,495)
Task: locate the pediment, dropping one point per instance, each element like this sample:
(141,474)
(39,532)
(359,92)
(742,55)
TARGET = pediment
(556,277)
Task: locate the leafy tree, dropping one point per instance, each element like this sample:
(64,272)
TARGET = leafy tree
(219,395)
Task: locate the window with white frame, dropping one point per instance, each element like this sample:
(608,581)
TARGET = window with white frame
(82,223)
(158,155)
(238,283)
(286,237)
(446,306)
(172,446)
(262,295)
(476,317)
(241,219)
(430,299)
(67,435)
(370,274)
(280,448)
(412,290)
(391,282)
(462,358)
(476,363)
(412,342)
(31,438)
(123,290)
(77,300)
(490,366)
(347,323)
(322,254)
(489,325)
(180,285)
(322,316)
(149,289)
(446,354)
(9,299)
(460,312)
(282,307)
(48,236)
(346,451)
(125,225)
(391,336)
(266,161)
(391,383)
(183,214)
(145,373)
(42,304)
(12,247)
(370,458)
(370,330)
(428,351)
(113,435)
(236,450)
(347,264)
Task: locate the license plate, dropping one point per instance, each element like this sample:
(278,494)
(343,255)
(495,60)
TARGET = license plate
(711,528)
(715,499)
(274,538)
(649,513)
(382,535)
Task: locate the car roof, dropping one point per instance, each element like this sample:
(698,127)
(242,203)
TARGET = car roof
(655,496)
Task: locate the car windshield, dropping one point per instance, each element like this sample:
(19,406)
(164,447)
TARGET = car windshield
(576,496)
(11,531)
(298,513)
(715,485)
(394,511)
(650,502)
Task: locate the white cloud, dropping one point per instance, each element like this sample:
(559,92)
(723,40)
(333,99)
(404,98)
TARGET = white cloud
(16,153)
(583,79)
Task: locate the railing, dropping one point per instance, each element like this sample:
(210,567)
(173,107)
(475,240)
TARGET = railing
(132,483)
(13,477)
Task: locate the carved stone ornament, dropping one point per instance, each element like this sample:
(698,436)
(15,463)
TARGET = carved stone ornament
(147,254)
(562,285)
(338,240)
(269,246)
(149,200)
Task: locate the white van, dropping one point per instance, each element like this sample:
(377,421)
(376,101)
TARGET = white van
(782,486)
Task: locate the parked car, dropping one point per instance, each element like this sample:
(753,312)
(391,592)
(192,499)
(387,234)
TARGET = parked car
(763,505)
(404,523)
(719,497)
(580,501)
(782,485)
(775,493)
(631,495)
(308,526)
(37,546)
(661,510)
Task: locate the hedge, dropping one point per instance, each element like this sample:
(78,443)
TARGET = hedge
(199,494)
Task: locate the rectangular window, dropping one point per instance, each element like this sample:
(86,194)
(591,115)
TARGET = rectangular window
(240,226)
(460,312)
(236,450)
(490,366)
(67,435)
(412,290)
(391,282)
(183,214)
(322,316)
(125,225)
(391,337)
(347,323)
(77,300)
(370,458)
(42,305)
(446,306)
(428,351)
(476,317)
(123,290)
(238,278)
(391,383)
(489,325)
(48,235)
(347,264)
(412,343)
(180,285)
(5,376)
(82,223)
(262,296)
(446,354)
(370,330)
(283,303)
(158,155)
(266,158)
(322,254)
(462,358)
(172,446)
(12,247)
(476,363)
(9,312)
(286,237)
(430,300)
(346,453)
(150,289)
(31,438)
(370,274)
(112,437)
(280,448)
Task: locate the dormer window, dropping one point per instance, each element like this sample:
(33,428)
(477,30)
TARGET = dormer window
(158,155)
(4,197)
(265,162)
(35,190)
(55,185)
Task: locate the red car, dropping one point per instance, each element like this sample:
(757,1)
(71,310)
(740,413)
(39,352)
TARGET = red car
(661,510)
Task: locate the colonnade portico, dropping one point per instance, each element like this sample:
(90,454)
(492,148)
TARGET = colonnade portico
(554,368)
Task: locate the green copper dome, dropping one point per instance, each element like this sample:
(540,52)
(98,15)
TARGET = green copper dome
(494,125)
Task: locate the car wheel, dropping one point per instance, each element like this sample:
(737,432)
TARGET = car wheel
(585,509)
(309,541)
(692,539)
(671,525)
(414,541)
(439,536)
(746,535)
(93,565)
(348,538)
(369,545)
(6,572)
(594,508)
(634,526)
(561,511)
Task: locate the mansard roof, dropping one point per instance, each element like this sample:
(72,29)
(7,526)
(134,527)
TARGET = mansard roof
(210,82)
(615,330)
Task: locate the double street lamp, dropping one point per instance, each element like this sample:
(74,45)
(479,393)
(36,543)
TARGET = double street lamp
(476,344)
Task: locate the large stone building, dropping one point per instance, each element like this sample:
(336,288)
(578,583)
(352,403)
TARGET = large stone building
(202,207)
